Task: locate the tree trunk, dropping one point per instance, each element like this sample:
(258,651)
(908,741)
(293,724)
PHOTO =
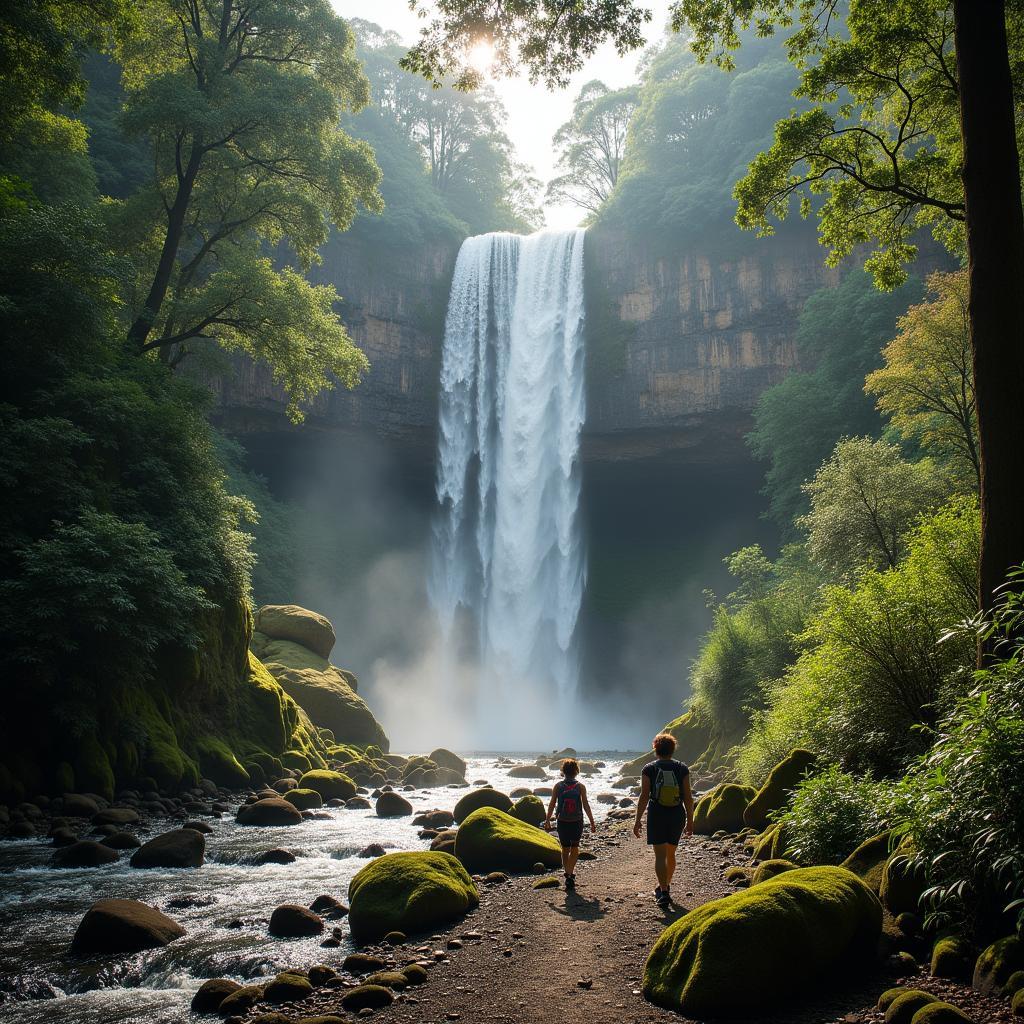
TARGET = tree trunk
(139,330)
(995,247)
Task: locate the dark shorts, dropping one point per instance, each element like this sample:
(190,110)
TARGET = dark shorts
(570,832)
(665,825)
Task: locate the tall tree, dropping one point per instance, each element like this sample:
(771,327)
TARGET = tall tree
(926,386)
(591,146)
(922,130)
(242,104)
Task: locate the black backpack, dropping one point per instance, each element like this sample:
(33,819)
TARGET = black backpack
(570,806)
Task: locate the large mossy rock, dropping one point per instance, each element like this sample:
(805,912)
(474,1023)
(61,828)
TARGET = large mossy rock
(781,781)
(123,926)
(903,882)
(953,957)
(330,785)
(530,809)
(867,862)
(269,811)
(408,893)
(691,736)
(478,798)
(721,809)
(299,625)
(492,840)
(323,690)
(759,946)
(997,962)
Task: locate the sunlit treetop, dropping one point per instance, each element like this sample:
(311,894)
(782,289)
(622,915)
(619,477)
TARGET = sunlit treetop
(538,37)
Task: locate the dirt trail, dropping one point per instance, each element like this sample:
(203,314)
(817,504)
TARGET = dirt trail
(536,946)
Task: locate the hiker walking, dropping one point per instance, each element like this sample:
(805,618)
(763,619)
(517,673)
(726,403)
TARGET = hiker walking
(666,796)
(569,796)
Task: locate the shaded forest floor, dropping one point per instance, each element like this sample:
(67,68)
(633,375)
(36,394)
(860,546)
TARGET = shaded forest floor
(528,956)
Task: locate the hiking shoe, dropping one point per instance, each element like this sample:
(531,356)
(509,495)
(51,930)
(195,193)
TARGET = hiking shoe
(664,900)
(657,892)
(570,882)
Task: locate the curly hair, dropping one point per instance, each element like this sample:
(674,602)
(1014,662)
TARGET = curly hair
(570,768)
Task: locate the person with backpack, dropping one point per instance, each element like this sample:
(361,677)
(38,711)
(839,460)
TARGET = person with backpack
(569,797)
(666,796)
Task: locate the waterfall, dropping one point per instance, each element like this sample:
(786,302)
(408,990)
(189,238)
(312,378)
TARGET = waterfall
(507,549)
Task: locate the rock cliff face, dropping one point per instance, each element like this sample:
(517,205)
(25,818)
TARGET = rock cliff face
(679,347)
(683,345)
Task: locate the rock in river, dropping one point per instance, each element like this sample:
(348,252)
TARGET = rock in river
(86,853)
(269,811)
(123,926)
(291,921)
(181,848)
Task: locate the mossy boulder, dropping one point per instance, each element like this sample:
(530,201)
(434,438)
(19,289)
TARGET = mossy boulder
(329,784)
(903,1008)
(721,810)
(392,805)
(997,963)
(323,690)
(867,862)
(492,840)
(304,799)
(269,811)
(287,987)
(296,760)
(529,809)
(903,882)
(953,957)
(241,1001)
(781,781)
(1017,1003)
(410,893)
(692,737)
(940,1013)
(212,993)
(783,935)
(445,758)
(367,997)
(770,868)
(123,926)
(481,798)
(299,625)
(218,763)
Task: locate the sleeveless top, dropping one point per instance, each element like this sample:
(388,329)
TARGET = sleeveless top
(652,769)
(569,806)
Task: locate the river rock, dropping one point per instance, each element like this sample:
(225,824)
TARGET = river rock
(121,841)
(363,963)
(444,758)
(241,1001)
(199,826)
(291,921)
(276,856)
(357,803)
(86,853)
(373,850)
(116,816)
(212,993)
(364,997)
(391,805)
(78,805)
(485,797)
(63,836)
(123,926)
(329,907)
(269,811)
(287,987)
(182,848)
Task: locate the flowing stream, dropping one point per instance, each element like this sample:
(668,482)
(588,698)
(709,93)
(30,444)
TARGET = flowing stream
(507,548)
(229,903)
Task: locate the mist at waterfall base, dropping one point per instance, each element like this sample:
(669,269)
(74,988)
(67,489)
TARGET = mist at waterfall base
(403,578)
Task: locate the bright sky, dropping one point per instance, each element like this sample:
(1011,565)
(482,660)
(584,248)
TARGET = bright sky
(534,113)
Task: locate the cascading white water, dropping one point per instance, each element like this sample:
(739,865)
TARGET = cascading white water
(507,545)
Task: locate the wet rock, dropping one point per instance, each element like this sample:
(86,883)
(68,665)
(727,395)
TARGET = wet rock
(365,997)
(86,853)
(373,850)
(184,902)
(394,980)
(78,805)
(276,856)
(212,993)
(22,829)
(121,841)
(290,921)
(391,805)
(395,938)
(287,987)
(363,963)
(63,837)
(181,848)
(241,1001)
(269,811)
(355,803)
(123,926)
(495,877)
(328,907)
(199,826)
(320,974)
(116,816)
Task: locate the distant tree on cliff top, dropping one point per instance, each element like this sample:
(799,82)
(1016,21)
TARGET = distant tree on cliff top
(242,108)
(466,155)
(591,146)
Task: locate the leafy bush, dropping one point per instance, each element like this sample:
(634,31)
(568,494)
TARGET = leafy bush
(967,816)
(874,667)
(833,812)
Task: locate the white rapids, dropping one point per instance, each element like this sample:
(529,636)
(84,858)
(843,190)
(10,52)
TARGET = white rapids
(507,545)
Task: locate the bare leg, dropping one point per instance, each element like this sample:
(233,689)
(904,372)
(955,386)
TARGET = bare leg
(569,858)
(566,854)
(670,865)
(661,863)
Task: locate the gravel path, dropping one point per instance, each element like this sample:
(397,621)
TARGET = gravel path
(535,956)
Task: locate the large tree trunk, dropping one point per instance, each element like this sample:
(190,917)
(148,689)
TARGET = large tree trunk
(995,246)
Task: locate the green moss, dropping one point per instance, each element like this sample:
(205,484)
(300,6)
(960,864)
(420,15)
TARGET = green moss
(330,785)
(492,840)
(296,759)
(481,798)
(1017,1003)
(953,957)
(781,936)
(1014,983)
(721,810)
(770,868)
(529,809)
(867,862)
(903,882)
(940,1013)
(304,799)
(92,769)
(272,767)
(903,1008)
(219,764)
(886,998)
(547,882)
(410,893)
(997,963)
(781,781)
